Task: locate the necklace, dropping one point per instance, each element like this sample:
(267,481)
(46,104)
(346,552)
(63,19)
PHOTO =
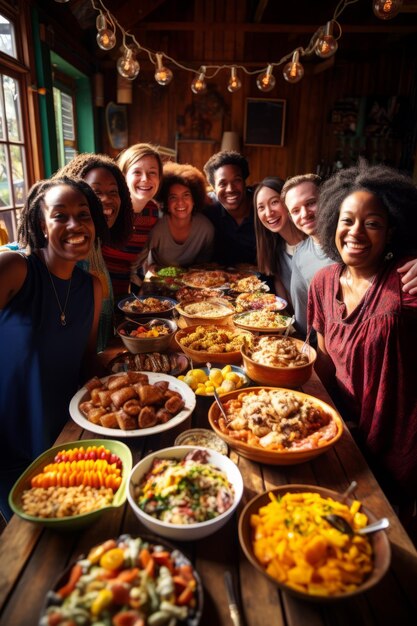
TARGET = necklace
(62,317)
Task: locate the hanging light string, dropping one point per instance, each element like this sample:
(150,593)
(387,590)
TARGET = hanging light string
(323,42)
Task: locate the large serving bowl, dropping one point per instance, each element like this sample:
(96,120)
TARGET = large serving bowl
(379,542)
(292,377)
(208,311)
(96,565)
(184,532)
(75,521)
(270,456)
(202,356)
(147,344)
(149,306)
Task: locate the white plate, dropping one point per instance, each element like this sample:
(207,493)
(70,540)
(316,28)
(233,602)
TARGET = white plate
(174,384)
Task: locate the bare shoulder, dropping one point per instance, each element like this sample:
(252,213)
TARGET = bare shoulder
(13,271)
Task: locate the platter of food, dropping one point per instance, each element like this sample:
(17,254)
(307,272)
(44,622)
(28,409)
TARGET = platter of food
(207,311)
(194,294)
(70,485)
(262,321)
(89,588)
(248,284)
(147,305)
(257,301)
(220,343)
(132,404)
(205,279)
(173,363)
(315,561)
(276,426)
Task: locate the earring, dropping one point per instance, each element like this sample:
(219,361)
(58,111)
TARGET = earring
(389,256)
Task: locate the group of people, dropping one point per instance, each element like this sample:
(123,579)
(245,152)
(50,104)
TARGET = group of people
(342,253)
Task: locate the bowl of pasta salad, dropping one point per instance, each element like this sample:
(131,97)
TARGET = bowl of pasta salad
(184,492)
(284,535)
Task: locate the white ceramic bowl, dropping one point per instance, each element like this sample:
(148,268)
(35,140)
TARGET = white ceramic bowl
(185,532)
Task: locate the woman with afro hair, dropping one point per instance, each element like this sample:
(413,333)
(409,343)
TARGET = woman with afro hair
(183,236)
(366,324)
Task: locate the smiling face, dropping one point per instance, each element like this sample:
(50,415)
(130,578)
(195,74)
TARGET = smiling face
(180,202)
(362,231)
(67,224)
(104,185)
(271,211)
(143,180)
(301,202)
(230,188)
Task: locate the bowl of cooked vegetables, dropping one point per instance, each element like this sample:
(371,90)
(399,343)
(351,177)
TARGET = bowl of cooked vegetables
(215,343)
(152,336)
(70,485)
(278,360)
(129,580)
(149,305)
(184,492)
(284,534)
(276,426)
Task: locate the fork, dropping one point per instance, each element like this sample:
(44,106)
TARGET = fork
(306,345)
(217,397)
(290,323)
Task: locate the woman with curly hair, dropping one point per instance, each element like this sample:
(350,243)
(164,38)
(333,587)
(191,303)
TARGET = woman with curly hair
(108,183)
(183,235)
(49,312)
(366,324)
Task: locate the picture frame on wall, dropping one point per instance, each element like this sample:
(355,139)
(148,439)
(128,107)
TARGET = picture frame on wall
(116,122)
(264,122)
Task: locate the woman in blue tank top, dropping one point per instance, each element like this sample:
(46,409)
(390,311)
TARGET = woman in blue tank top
(49,311)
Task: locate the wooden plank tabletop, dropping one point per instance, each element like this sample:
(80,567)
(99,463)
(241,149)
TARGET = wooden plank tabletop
(32,558)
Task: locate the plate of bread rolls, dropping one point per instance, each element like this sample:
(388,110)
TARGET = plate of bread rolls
(132,404)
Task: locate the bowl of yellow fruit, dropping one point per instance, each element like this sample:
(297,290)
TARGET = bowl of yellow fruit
(223,378)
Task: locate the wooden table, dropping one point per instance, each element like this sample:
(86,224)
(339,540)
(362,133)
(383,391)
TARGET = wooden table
(32,558)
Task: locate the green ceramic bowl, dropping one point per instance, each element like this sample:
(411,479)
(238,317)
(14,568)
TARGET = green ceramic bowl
(75,521)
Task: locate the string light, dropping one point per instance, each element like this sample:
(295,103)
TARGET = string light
(163,75)
(322,42)
(234,83)
(266,81)
(326,44)
(386,9)
(199,84)
(106,38)
(293,71)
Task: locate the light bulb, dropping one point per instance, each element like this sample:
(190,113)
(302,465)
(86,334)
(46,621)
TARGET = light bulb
(199,84)
(101,22)
(61,1)
(293,71)
(386,9)
(127,66)
(163,75)
(234,83)
(106,39)
(266,80)
(326,44)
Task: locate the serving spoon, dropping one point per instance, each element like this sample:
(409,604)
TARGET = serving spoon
(342,525)
(217,398)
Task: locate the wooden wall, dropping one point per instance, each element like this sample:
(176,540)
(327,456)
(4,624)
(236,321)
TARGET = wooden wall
(157,113)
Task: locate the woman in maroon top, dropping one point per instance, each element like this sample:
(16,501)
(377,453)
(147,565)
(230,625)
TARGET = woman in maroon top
(366,325)
(142,168)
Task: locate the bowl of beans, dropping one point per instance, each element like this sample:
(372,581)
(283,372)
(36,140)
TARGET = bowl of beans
(152,336)
(70,485)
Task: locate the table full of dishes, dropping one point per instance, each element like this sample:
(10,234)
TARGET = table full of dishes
(159,505)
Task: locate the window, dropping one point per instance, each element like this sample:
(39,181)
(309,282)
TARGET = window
(65,126)
(13,172)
